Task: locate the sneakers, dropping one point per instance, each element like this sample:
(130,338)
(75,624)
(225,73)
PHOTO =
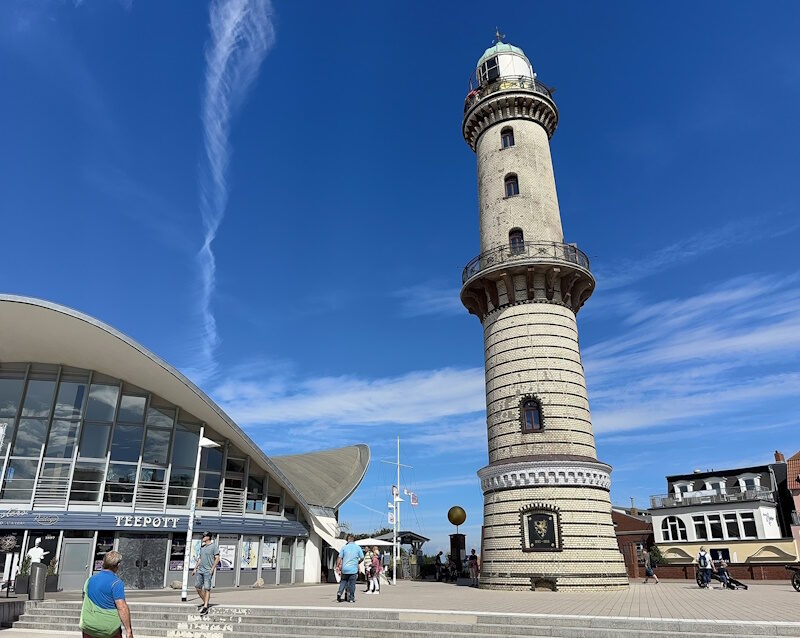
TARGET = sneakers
(338,598)
(204,611)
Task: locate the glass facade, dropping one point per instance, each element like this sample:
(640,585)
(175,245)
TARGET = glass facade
(78,437)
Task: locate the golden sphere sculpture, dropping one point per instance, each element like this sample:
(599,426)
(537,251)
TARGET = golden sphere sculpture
(456,515)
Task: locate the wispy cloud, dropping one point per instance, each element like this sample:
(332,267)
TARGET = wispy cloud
(241,34)
(736,233)
(428,299)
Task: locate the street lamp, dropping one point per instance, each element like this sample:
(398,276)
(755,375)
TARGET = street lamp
(202,443)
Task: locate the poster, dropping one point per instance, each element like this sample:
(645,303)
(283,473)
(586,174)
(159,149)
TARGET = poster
(249,557)
(269,553)
(227,557)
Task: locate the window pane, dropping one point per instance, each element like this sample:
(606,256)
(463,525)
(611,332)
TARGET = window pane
(274,504)
(61,440)
(180,488)
(152,475)
(255,493)
(749,526)
(70,400)
(127,442)
(38,398)
(30,437)
(102,402)
(10,394)
(208,490)
(715,525)
(55,471)
(235,465)
(94,440)
(18,484)
(156,446)
(120,481)
(162,417)
(184,450)
(86,481)
(131,409)
(732,525)
(6,433)
(211,459)
(700,527)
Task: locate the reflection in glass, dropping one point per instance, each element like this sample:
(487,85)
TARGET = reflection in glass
(6,433)
(208,490)
(102,402)
(70,400)
(86,481)
(18,484)
(156,446)
(126,443)
(38,398)
(10,393)
(120,482)
(184,450)
(152,475)
(255,494)
(30,437)
(211,459)
(94,440)
(180,488)
(54,471)
(131,409)
(61,440)
(161,417)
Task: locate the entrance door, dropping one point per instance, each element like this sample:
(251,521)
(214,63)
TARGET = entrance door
(75,563)
(143,559)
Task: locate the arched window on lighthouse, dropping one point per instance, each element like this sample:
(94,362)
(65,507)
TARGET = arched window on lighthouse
(516,241)
(507,137)
(512,185)
(531,416)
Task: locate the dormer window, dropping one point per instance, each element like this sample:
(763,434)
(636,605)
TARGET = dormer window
(512,185)
(681,489)
(750,482)
(716,484)
(507,137)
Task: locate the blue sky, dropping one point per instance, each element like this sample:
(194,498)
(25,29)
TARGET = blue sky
(324,159)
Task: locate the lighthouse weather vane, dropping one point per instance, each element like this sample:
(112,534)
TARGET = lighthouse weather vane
(498,36)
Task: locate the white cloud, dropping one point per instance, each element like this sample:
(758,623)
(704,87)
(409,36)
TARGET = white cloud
(429,299)
(241,34)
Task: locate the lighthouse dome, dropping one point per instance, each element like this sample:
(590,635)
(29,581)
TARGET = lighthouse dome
(502,60)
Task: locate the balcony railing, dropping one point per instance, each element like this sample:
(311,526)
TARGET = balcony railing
(710,496)
(506,83)
(530,251)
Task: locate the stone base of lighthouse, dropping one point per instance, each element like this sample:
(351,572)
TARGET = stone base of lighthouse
(547,525)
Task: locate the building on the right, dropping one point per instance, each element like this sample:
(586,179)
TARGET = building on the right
(743,515)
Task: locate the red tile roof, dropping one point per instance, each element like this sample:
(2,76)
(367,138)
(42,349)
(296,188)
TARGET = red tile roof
(793,471)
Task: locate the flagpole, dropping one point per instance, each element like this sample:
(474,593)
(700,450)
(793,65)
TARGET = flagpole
(396,517)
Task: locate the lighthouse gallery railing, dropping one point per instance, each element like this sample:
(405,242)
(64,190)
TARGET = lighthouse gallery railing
(531,251)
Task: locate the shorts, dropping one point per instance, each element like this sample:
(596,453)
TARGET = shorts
(649,572)
(202,580)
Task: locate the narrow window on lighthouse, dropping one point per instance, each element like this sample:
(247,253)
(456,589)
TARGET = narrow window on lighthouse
(516,242)
(507,137)
(512,185)
(531,417)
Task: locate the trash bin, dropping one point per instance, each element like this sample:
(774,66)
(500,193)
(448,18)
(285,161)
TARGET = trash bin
(37,581)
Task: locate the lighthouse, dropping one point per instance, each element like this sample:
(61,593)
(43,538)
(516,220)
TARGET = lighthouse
(547,511)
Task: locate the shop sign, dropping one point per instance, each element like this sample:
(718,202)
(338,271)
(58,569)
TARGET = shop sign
(170,522)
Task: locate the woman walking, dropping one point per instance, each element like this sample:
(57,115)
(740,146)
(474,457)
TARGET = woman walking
(377,568)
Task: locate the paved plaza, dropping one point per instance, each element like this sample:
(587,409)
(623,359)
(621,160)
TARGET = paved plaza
(765,600)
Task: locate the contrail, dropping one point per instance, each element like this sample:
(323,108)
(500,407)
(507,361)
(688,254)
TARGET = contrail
(241,34)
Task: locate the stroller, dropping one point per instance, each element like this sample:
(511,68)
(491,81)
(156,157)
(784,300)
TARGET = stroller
(795,576)
(731,584)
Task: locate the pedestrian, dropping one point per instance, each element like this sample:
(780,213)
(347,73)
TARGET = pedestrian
(104,611)
(439,566)
(204,570)
(705,565)
(366,566)
(649,570)
(349,559)
(474,568)
(722,570)
(375,580)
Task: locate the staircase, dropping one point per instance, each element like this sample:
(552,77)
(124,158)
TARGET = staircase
(151,620)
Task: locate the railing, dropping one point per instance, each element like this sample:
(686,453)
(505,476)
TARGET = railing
(233,501)
(52,490)
(710,496)
(545,252)
(506,83)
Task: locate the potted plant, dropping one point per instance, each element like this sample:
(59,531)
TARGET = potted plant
(51,581)
(23,576)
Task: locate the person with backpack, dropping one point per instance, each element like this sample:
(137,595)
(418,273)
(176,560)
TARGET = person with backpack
(649,566)
(705,565)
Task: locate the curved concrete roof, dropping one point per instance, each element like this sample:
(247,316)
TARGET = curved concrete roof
(326,478)
(39,331)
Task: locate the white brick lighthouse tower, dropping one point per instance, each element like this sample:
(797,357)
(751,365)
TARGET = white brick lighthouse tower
(547,512)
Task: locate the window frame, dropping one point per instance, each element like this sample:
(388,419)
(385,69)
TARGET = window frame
(673,529)
(516,241)
(524,408)
(507,133)
(510,180)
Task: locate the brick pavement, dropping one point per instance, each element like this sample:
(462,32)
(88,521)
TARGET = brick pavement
(764,601)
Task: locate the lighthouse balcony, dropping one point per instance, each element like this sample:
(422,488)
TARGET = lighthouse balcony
(506,83)
(529,252)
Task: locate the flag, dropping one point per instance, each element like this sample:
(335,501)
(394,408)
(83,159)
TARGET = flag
(414,499)
(391,518)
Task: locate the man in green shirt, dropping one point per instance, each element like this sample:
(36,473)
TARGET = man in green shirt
(207,562)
